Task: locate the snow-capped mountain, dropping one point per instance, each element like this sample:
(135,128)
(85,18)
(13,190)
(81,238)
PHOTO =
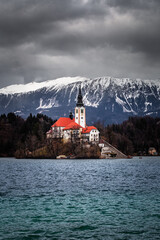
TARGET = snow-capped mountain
(107,99)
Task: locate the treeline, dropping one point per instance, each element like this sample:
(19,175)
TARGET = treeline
(27,139)
(17,134)
(134,136)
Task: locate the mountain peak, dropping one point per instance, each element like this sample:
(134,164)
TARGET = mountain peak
(107,99)
(34,86)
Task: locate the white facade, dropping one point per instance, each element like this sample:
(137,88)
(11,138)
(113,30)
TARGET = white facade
(94,135)
(57,132)
(80,116)
(71,135)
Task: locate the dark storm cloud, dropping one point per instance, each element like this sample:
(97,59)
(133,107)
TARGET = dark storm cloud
(138,31)
(23,21)
(141,34)
(133,4)
(46,39)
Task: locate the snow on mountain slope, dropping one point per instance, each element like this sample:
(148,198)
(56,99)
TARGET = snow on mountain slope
(106,98)
(34,86)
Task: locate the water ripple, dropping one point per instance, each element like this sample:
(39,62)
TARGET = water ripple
(80,199)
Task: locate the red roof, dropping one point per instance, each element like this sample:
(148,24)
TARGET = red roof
(63,122)
(72,125)
(88,129)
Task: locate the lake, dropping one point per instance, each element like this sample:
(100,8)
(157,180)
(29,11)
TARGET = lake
(80,199)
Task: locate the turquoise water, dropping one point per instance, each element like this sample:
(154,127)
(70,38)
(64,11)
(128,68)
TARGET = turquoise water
(80,199)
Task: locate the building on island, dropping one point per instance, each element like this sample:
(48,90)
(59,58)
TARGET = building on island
(74,129)
(80,112)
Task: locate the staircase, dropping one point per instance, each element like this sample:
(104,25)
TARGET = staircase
(109,151)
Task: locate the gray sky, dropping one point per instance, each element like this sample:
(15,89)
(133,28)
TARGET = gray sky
(45,39)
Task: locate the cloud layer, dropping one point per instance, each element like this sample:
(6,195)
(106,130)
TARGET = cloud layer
(53,38)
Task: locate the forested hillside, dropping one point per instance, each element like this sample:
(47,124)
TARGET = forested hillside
(27,139)
(18,136)
(134,136)
(17,133)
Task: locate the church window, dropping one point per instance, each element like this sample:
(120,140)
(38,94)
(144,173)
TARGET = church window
(81,110)
(81,117)
(76,110)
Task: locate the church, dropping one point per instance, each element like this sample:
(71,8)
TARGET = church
(74,129)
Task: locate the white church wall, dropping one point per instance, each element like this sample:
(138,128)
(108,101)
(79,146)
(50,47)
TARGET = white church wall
(94,135)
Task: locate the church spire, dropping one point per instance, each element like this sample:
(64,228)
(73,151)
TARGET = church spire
(80,112)
(79,99)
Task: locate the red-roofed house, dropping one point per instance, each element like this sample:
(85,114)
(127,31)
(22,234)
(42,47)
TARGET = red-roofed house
(62,122)
(72,132)
(70,129)
(59,125)
(90,134)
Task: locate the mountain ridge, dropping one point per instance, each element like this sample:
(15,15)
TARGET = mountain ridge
(33,86)
(107,99)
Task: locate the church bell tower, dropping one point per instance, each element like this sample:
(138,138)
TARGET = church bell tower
(80,112)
